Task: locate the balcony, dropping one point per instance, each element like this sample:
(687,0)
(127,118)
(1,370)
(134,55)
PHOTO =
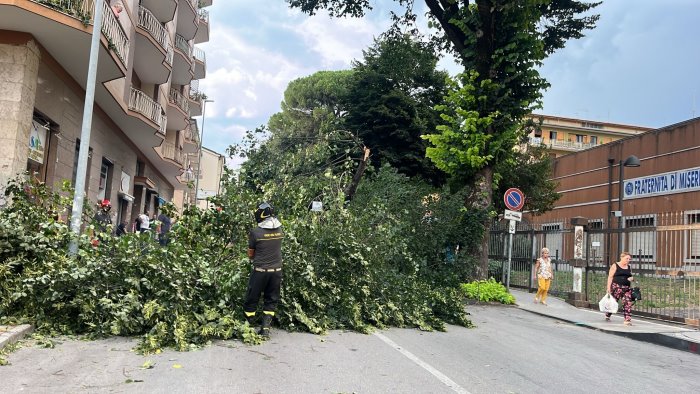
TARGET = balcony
(188,171)
(191,137)
(203,30)
(196,97)
(178,111)
(183,67)
(145,107)
(170,152)
(152,45)
(55,24)
(187,18)
(163,10)
(571,146)
(200,63)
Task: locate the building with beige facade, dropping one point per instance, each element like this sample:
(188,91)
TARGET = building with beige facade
(143,136)
(566,135)
(210,174)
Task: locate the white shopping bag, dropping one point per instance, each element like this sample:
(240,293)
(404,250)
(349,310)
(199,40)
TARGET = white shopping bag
(608,304)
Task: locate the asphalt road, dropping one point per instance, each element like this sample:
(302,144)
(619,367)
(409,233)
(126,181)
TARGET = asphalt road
(511,351)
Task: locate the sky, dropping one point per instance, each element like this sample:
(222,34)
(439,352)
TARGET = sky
(639,66)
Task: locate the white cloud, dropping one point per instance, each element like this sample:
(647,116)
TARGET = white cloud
(337,41)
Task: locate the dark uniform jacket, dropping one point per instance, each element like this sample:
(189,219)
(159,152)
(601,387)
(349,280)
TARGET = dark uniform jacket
(267,244)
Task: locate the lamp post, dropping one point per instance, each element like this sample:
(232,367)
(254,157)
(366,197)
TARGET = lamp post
(199,161)
(608,234)
(631,161)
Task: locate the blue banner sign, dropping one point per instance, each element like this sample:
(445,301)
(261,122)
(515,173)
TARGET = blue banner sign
(680,181)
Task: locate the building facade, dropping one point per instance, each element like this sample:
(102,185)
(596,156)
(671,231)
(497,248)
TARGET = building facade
(644,188)
(211,172)
(143,135)
(566,135)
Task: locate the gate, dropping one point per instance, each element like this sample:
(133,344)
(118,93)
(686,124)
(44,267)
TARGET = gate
(665,251)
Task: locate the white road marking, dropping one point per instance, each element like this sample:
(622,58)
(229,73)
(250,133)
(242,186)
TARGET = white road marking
(442,377)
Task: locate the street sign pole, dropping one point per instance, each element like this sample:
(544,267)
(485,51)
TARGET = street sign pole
(511,230)
(514,200)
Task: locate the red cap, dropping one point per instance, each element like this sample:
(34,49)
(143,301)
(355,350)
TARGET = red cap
(105,203)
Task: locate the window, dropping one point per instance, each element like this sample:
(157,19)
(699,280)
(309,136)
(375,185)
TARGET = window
(105,186)
(580,138)
(552,239)
(594,139)
(552,135)
(75,164)
(139,168)
(640,244)
(692,238)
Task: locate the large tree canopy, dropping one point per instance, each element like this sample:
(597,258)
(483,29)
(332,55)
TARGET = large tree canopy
(390,103)
(500,43)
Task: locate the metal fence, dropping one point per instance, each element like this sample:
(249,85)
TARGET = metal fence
(665,251)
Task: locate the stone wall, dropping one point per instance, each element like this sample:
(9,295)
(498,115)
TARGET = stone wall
(19,65)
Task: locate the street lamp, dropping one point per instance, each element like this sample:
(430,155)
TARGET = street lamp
(631,161)
(199,161)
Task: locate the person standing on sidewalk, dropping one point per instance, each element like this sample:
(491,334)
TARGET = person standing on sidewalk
(543,268)
(265,251)
(620,286)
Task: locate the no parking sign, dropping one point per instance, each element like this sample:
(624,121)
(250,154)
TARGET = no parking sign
(514,199)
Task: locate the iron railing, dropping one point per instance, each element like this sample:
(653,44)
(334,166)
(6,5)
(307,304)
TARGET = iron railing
(200,55)
(179,100)
(184,46)
(83,11)
(146,106)
(665,251)
(150,23)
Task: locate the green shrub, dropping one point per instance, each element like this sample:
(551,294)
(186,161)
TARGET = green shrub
(353,266)
(487,291)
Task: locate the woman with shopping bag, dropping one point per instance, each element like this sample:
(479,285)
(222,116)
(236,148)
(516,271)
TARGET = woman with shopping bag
(619,286)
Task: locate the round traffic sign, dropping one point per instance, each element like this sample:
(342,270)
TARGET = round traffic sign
(514,199)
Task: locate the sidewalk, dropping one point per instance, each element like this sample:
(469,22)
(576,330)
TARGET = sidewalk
(669,335)
(12,334)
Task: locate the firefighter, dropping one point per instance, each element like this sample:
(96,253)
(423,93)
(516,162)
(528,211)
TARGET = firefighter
(265,252)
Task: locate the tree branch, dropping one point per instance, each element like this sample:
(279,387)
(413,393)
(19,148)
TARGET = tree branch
(444,12)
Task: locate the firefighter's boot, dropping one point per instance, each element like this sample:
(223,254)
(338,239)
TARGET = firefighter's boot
(265,325)
(250,318)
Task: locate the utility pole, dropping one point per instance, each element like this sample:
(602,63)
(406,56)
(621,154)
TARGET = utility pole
(81,171)
(199,161)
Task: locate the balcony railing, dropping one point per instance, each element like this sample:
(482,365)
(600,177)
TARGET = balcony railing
(149,23)
(169,55)
(203,15)
(79,9)
(83,11)
(141,103)
(178,99)
(194,88)
(565,145)
(193,132)
(183,45)
(200,55)
(169,151)
(112,29)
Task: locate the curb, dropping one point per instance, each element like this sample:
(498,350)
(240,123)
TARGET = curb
(666,340)
(12,334)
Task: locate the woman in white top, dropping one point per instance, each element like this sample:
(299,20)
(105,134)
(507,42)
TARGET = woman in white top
(543,268)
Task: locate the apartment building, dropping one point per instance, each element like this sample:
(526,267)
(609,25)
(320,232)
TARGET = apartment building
(567,135)
(210,174)
(143,136)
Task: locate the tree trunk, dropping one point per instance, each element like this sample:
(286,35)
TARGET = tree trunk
(484,190)
(352,187)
